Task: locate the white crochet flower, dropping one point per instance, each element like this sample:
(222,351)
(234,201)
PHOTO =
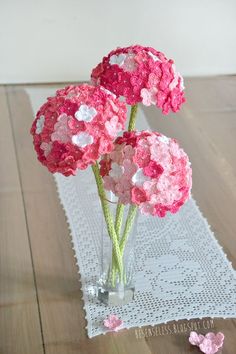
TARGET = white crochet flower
(82,139)
(139,178)
(40,124)
(85,113)
(117,59)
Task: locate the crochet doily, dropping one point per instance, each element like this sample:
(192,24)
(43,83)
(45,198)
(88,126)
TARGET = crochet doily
(181,271)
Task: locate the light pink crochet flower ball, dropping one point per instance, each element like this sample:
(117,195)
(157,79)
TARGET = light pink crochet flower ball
(141,74)
(74,128)
(149,170)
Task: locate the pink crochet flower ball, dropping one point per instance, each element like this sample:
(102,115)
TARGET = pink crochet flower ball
(149,170)
(74,128)
(141,74)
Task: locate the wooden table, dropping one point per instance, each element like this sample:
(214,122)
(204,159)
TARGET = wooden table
(41,310)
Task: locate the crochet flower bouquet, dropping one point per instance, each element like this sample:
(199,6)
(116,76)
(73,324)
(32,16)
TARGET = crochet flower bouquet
(81,126)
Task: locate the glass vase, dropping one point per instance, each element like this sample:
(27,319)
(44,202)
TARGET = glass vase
(116,282)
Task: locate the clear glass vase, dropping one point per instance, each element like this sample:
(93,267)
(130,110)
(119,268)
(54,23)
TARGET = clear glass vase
(116,282)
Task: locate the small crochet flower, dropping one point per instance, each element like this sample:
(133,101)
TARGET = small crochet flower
(113,323)
(208,344)
(149,170)
(76,126)
(141,74)
(195,339)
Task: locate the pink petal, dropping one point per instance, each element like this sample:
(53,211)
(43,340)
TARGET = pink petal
(195,339)
(210,336)
(112,322)
(138,196)
(217,339)
(208,347)
(113,126)
(153,169)
(148,96)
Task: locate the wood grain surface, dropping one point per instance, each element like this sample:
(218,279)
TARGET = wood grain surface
(41,310)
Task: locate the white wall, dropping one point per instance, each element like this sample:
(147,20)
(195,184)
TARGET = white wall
(61,40)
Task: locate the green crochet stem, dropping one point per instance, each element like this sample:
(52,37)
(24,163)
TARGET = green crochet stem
(114,231)
(120,207)
(132,119)
(119,218)
(117,262)
(128,225)
(118,225)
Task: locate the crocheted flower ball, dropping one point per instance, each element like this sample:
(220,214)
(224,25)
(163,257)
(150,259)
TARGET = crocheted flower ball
(149,170)
(141,74)
(74,128)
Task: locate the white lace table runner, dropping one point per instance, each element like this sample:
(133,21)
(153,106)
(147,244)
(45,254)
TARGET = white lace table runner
(182,272)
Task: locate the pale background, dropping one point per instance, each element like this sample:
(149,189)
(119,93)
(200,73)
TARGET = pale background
(61,40)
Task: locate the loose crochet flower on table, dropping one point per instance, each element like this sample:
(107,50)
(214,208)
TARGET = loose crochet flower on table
(149,170)
(113,322)
(208,344)
(74,128)
(141,74)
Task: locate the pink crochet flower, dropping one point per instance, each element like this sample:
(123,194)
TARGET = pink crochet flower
(112,322)
(149,170)
(195,339)
(141,74)
(75,127)
(208,344)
